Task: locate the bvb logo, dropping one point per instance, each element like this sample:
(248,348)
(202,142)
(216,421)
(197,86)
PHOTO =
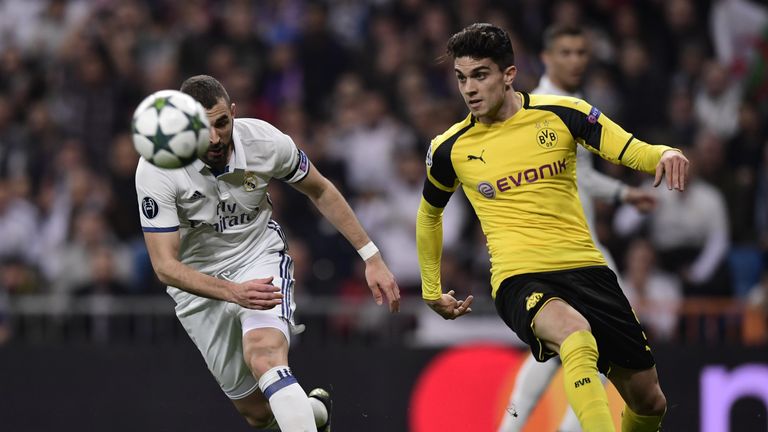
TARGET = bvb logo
(532,300)
(546,138)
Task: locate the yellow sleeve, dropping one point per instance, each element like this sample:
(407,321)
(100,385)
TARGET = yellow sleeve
(618,146)
(429,244)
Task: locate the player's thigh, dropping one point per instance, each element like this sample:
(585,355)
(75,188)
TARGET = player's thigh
(557,320)
(640,389)
(279,266)
(255,408)
(215,329)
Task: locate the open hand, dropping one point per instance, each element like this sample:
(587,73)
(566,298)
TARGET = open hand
(674,166)
(382,283)
(449,308)
(256,294)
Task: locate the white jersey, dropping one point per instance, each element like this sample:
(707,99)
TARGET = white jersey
(225,220)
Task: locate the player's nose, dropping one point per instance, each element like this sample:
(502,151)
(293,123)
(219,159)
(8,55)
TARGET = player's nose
(214,136)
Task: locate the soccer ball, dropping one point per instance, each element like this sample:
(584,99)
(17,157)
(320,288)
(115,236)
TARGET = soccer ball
(170,129)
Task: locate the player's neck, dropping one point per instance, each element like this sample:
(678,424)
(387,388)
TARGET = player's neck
(513,102)
(220,167)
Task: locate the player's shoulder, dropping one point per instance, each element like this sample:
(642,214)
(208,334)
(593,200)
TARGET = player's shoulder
(551,101)
(256,129)
(149,175)
(452,132)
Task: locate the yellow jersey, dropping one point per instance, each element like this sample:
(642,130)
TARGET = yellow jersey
(520,177)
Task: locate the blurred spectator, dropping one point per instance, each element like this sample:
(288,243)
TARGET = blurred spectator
(717,101)
(390,219)
(18,224)
(74,262)
(14,154)
(681,123)
(690,232)
(104,276)
(283,80)
(370,148)
(685,26)
(745,148)
(323,58)
(654,293)
(738,188)
(641,88)
(736,27)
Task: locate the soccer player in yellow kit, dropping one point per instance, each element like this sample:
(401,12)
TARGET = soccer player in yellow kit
(514,155)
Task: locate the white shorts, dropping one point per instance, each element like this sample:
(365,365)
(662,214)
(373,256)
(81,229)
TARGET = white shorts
(217,327)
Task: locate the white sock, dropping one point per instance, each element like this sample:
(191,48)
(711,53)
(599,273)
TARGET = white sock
(532,379)
(290,405)
(320,412)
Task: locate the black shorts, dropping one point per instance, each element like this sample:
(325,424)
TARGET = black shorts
(592,291)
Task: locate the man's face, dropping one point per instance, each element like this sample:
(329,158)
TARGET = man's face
(220,117)
(482,85)
(566,61)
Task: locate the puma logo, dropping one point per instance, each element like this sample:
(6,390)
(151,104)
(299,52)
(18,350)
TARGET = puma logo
(480,158)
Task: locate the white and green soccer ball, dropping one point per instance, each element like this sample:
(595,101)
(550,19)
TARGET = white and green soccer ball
(170,129)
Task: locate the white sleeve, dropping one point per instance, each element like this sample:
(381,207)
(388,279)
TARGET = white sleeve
(718,242)
(277,154)
(627,220)
(593,182)
(156,193)
(291,164)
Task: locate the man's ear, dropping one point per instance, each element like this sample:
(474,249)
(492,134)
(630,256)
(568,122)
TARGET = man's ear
(509,75)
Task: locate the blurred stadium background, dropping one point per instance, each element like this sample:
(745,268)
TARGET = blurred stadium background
(88,339)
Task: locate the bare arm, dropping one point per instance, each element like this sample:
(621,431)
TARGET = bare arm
(163,250)
(335,208)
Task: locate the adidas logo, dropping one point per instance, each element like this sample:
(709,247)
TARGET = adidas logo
(196,196)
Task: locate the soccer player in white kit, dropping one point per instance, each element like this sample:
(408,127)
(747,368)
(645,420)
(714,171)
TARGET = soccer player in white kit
(211,239)
(566,56)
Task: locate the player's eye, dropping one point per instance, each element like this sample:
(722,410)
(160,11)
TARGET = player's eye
(461,78)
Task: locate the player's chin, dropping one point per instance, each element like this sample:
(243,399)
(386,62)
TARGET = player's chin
(476,111)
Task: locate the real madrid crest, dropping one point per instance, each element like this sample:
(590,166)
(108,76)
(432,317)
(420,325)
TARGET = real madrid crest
(249,181)
(545,137)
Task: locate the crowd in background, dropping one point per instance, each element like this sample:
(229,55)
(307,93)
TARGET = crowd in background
(361,88)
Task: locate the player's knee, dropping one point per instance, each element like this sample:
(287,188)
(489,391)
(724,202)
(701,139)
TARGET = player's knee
(264,351)
(557,320)
(261,362)
(573,323)
(576,324)
(653,404)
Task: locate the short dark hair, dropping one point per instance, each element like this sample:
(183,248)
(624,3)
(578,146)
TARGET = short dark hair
(205,89)
(557,31)
(482,40)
